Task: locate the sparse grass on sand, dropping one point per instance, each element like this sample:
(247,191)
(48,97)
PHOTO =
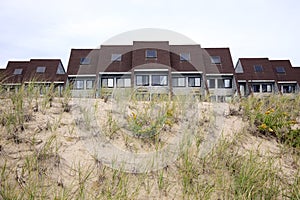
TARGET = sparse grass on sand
(43,157)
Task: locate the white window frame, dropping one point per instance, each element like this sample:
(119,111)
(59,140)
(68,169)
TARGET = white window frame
(123,82)
(78,84)
(179,83)
(109,82)
(197,82)
(142,79)
(163,80)
(89,84)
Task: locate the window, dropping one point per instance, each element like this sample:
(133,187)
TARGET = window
(89,84)
(288,89)
(224,83)
(256,88)
(266,88)
(60,69)
(159,80)
(215,59)
(123,82)
(40,69)
(85,61)
(107,82)
(211,83)
(151,54)
(142,80)
(280,70)
(258,68)
(18,71)
(194,82)
(116,57)
(178,82)
(185,57)
(78,85)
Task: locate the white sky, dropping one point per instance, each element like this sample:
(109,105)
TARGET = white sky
(49,29)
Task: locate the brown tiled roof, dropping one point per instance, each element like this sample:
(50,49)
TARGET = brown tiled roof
(8,74)
(249,72)
(290,72)
(134,56)
(74,66)
(29,72)
(226,65)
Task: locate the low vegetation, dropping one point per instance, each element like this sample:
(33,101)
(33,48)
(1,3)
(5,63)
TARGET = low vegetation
(43,157)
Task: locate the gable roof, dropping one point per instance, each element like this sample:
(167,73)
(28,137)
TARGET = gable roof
(18,72)
(249,73)
(289,74)
(226,65)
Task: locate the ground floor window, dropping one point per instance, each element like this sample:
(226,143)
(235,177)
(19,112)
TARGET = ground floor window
(178,81)
(224,83)
(194,82)
(159,80)
(288,89)
(142,80)
(107,82)
(256,88)
(123,82)
(90,84)
(211,83)
(78,85)
(266,88)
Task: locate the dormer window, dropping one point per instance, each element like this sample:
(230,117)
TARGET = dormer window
(18,71)
(116,57)
(185,57)
(280,70)
(258,68)
(85,61)
(215,59)
(40,69)
(151,53)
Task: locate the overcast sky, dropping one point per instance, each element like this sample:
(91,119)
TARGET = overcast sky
(49,29)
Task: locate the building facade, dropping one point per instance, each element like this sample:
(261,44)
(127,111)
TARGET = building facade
(153,68)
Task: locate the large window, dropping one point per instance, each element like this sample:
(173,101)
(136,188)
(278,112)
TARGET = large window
(123,82)
(258,68)
(211,83)
(90,84)
(107,82)
(18,71)
(256,88)
(215,59)
(78,85)
(266,88)
(224,83)
(85,61)
(178,82)
(159,80)
(41,69)
(142,80)
(194,82)
(288,88)
(185,57)
(116,57)
(150,53)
